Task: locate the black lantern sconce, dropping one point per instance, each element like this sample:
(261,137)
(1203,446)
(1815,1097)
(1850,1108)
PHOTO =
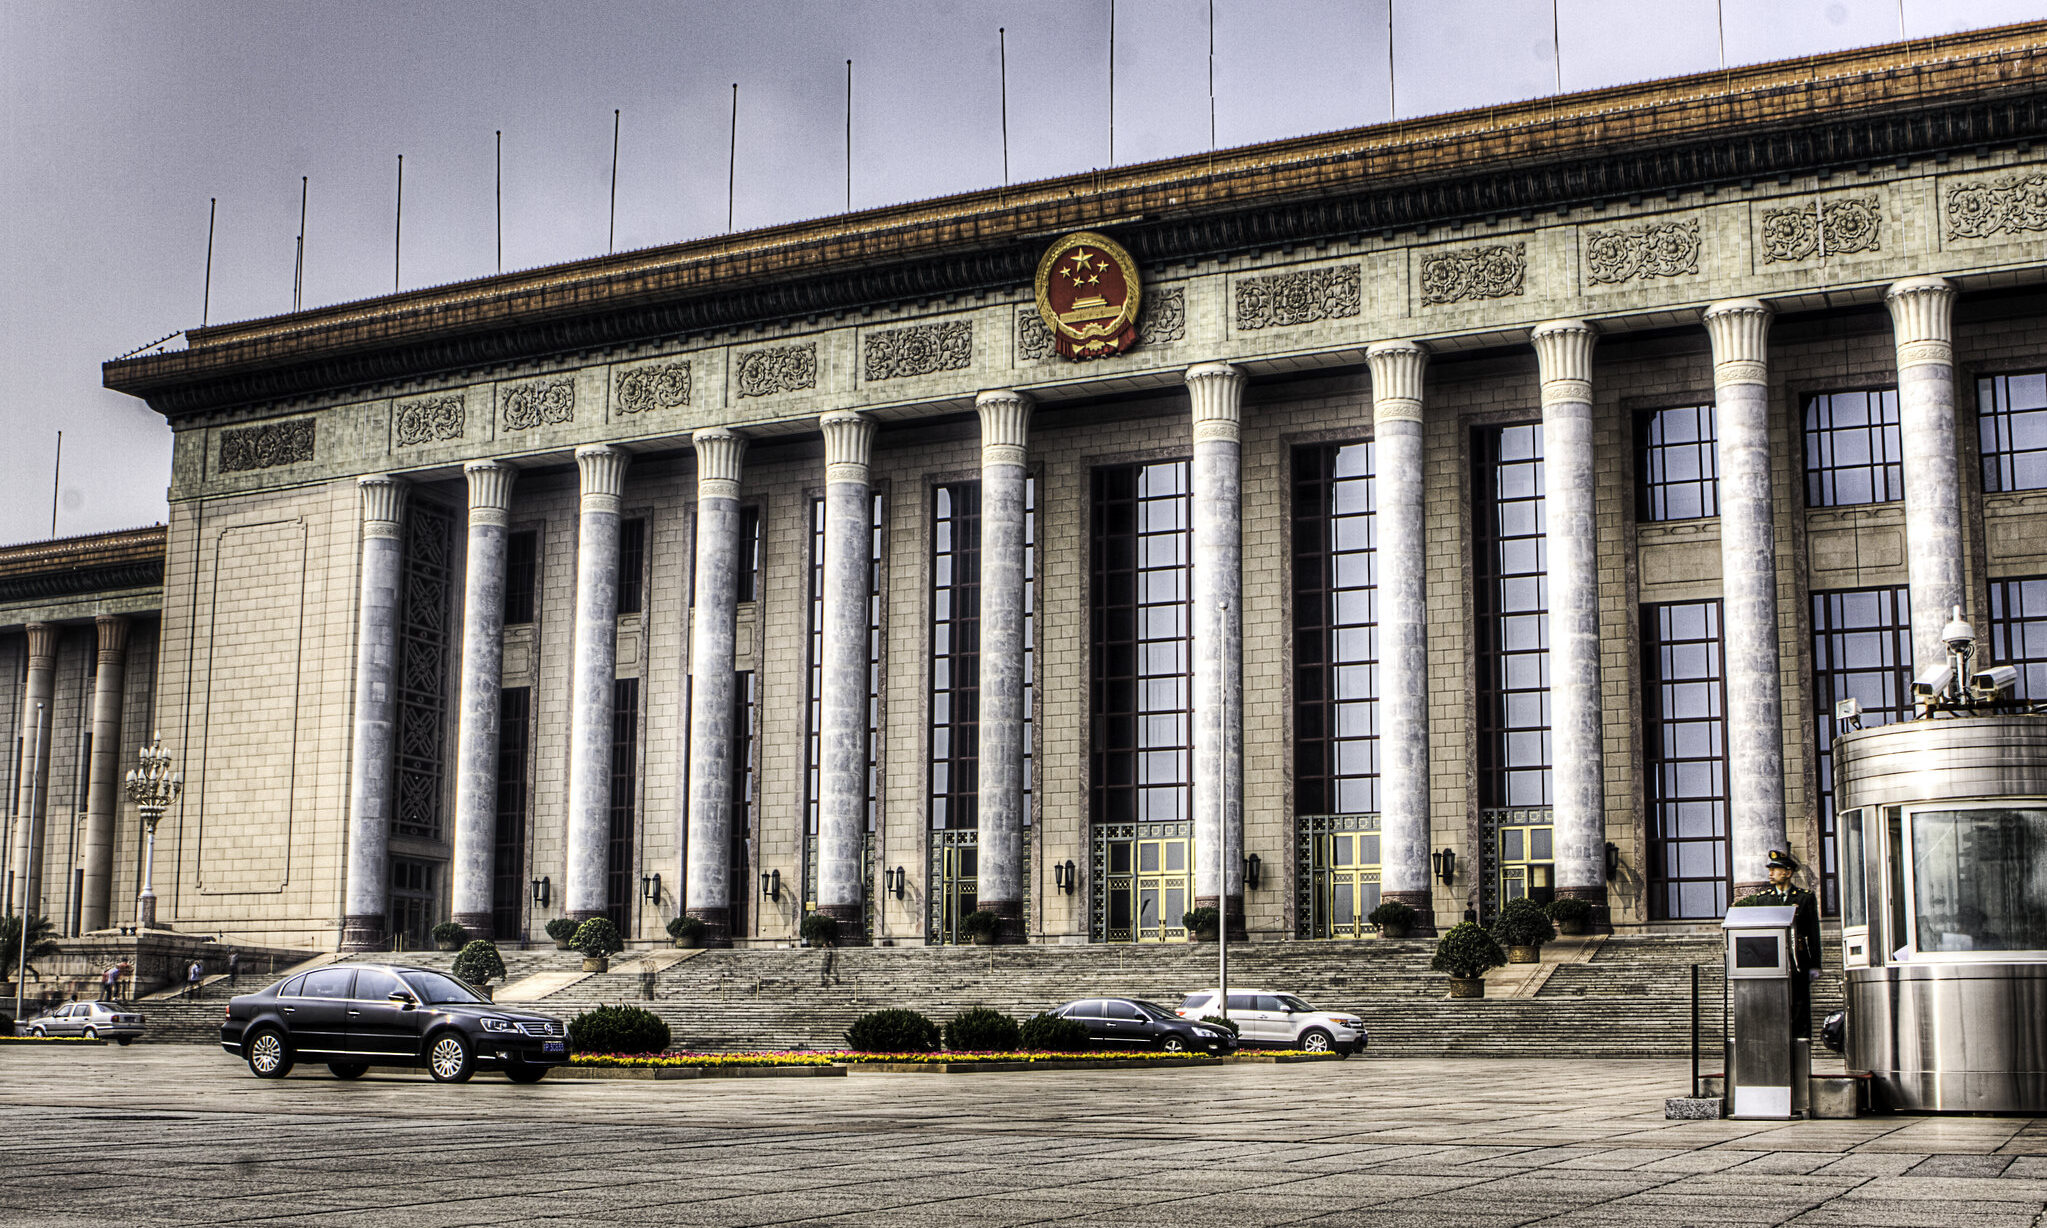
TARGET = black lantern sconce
(892,881)
(542,889)
(1613,858)
(1063,874)
(650,887)
(771,885)
(1445,862)
(1254,872)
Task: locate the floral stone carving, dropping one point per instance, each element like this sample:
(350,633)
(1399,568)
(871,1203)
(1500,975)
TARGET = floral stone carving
(781,368)
(1033,339)
(1301,296)
(1163,317)
(542,402)
(649,388)
(435,418)
(1659,249)
(266,446)
(1497,271)
(1828,228)
(921,349)
(2015,204)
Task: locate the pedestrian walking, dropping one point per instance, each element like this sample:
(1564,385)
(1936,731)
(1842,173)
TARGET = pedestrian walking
(109,980)
(124,971)
(192,975)
(234,966)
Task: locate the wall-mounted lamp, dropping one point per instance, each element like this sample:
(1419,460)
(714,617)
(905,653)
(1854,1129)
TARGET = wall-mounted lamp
(1254,871)
(771,885)
(1063,876)
(650,887)
(1445,862)
(1613,858)
(541,890)
(892,881)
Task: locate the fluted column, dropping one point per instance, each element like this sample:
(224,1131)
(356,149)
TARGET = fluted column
(367,897)
(713,683)
(1922,310)
(483,660)
(1740,331)
(103,774)
(842,704)
(602,468)
(1216,391)
(1005,432)
(32,793)
(1563,350)
(1403,627)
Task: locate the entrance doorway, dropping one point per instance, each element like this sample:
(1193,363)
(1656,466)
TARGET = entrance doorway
(1148,888)
(1527,866)
(414,906)
(956,880)
(1347,884)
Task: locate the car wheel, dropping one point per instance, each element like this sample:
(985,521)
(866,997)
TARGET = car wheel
(37,1032)
(92,1033)
(348,1070)
(269,1055)
(1315,1040)
(450,1059)
(125,1041)
(523,1072)
(1172,1043)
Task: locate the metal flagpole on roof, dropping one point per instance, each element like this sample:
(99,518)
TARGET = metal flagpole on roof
(398,226)
(499,198)
(849,136)
(611,232)
(732,159)
(206,296)
(1002,51)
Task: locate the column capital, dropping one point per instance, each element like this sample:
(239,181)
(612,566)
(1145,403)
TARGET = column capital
(42,645)
(112,638)
(1397,368)
(1005,426)
(1563,354)
(1739,329)
(490,491)
(719,452)
(1216,389)
(602,467)
(1922,316)
(382,499)
(848,438)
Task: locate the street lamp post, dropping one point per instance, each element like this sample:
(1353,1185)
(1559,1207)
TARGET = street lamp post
(154,788)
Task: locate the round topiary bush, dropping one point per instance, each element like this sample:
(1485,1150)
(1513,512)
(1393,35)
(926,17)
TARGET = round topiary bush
(1052,1034)
(892,1031)
(1467,951)
(1394,918)
(450,935)
(1568,909)
(820,930)
(982,1029)
(980,925)
(597,938)
(687,928)
(561,929)
(1202,923)
(618,1029)
(1523,923)
(479,963)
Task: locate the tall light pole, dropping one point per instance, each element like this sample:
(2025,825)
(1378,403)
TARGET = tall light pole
(154,788)
(1222,838)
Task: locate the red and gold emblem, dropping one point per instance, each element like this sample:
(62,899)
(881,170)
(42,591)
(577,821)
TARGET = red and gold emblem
(1088,295)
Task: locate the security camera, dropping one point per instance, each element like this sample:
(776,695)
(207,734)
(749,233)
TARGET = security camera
(1997,680)
(1933,680)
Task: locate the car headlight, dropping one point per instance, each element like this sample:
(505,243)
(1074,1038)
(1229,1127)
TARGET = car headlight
(499,1025)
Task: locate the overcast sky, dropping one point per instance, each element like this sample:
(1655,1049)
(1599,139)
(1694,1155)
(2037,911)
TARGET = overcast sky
(119,119)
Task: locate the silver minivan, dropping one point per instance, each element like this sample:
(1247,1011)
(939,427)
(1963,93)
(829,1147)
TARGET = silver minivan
(1282,1020)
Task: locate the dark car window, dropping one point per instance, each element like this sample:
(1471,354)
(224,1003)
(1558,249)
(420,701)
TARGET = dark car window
(327,983)
(1288,1002)
(1152,1010)
(1087,1008)
(433,987)
(1195,1001)
(1270,1002)
(375,985)
(290,989)
(1245,1002)
(1123,1011)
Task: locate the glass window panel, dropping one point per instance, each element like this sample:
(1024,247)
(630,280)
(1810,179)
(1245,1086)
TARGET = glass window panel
(1852,448)
(1861,648)
(1979,879)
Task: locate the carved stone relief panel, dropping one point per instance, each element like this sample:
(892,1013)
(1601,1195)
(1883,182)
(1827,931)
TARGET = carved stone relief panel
(1299,296)
(778,368)
(644,389)
(920,349)
(545,402)
(266,446)
(1823,228)
(1498,270)
(2008,205)
(1033,339)
(1162,318)
(1658,249)
(429,420)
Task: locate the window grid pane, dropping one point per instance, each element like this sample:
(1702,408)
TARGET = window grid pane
(2012,422)
(1852,448)
(956,651)
(632,565)
(625,762)
(1511,588)
(1141,693)
(522,567)
(1861,647)
(508,836)
(1685,754)
(1680,473)
(1336,630)
(2018,632)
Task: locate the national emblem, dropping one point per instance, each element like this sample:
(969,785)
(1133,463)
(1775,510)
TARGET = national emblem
(1088,294)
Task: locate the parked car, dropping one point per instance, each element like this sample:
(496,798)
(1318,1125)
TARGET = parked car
(106,1020)
(354,1016)
(1283,1020)
(1132,1023)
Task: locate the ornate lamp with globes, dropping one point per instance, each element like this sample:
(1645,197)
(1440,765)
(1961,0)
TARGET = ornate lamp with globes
(154,788)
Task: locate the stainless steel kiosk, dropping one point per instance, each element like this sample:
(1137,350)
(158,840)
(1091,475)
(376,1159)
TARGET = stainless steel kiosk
(1769,1071)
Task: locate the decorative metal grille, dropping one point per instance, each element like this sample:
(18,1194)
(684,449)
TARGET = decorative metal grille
(866,878)
(1491,821)
(1311,874)
(426,590)
(1099,884)
(939,887)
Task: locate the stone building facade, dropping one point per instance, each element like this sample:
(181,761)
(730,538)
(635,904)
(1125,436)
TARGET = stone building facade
(1491,504)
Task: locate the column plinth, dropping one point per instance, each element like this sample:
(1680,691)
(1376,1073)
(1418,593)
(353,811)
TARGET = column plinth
(368,891)
(713,688)
(1005,428)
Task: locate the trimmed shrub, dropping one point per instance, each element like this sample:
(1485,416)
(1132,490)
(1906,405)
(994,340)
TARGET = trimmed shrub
(479,963)
(979,923)
(982,1029)
(820,930)
(1208,920)
(561,929)
(618,1029)
(1569,910)
(1467,951)
(1217,1021)
(1052,1034)
(597,937)
(892,1031)
(1522,923)
(687,927)
(1394,915)
(448,931)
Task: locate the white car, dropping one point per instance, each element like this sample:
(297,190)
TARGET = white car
(1282,1020)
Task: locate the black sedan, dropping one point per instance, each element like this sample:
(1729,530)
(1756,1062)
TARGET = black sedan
(354,1016)
(1133,1023)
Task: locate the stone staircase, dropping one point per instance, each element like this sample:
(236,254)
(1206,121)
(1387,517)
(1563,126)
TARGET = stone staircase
(1630,998)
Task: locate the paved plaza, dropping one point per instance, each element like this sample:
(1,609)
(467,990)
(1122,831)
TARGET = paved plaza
(158,1135)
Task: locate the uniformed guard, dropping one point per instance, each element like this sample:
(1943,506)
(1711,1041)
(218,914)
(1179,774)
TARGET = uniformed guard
(1805,935)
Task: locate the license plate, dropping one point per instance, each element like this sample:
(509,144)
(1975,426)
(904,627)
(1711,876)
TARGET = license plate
(554,1046)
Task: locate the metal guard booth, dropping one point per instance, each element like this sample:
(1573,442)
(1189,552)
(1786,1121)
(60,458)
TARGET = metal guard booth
(1943,844)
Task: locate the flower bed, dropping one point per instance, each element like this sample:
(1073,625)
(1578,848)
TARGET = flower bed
(681,1061)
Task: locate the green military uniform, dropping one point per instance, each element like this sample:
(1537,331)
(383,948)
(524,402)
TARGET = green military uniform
(1805,940)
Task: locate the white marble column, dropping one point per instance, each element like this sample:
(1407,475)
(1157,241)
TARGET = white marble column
(1215,390)
(713,684)
(1005,432)
(367,896)
(1563,350)
(1922,310)
(596,666)
(1403,627)
(32,793)
(103,774)
(842,705)
(483,660)
(1740,331)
